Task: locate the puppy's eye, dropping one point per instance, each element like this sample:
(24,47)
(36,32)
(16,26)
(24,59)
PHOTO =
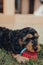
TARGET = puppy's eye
(28,36)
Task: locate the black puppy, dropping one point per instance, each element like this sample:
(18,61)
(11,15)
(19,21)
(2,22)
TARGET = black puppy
(15,40)
(29,36)
(9,39)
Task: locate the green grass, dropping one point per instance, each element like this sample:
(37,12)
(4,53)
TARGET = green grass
(7,59)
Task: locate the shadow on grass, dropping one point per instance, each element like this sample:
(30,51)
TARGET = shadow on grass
(7,59)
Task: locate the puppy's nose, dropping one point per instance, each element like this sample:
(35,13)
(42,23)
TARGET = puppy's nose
(35,41)
(35,48)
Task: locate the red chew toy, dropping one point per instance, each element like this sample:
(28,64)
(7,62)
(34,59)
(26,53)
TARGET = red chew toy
(28,54)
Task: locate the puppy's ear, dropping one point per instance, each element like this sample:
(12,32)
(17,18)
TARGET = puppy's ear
(20,42)
(39,48)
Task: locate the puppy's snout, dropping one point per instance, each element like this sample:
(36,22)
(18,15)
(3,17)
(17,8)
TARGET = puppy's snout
(34,42)
(35,48)
(35,45)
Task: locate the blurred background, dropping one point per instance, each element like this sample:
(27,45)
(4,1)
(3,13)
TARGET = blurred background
(21,6)
(17,14)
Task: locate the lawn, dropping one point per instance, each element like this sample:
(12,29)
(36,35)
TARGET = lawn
(7,59)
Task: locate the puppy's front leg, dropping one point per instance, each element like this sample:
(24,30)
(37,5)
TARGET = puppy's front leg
(20,58)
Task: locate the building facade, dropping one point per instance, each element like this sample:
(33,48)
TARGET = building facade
(19,6)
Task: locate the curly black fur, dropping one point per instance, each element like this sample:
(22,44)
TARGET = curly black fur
(9,39)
